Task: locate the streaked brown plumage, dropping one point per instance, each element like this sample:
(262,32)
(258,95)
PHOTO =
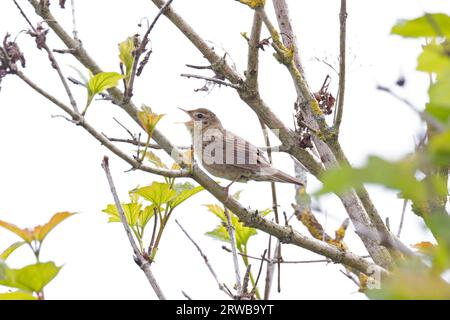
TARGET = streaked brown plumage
(226,155)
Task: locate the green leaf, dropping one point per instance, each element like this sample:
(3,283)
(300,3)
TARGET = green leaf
(146,215)
(434,58)
(183,192)
(131,210)
(439,91)
(99,83)
(25,234)
(439,148)
(440,112)
(217,210)
(154,159)
(126,50)
(32,278)
(149,119)
(219,233)
(429,25)
(40,232)
(17,295)
(398,175)
(242,233)
(157,193)
(11,249)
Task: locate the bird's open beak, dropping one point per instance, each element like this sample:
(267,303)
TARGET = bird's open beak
(183,110)
(187,123)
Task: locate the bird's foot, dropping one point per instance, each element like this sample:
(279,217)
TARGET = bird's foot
(226,190)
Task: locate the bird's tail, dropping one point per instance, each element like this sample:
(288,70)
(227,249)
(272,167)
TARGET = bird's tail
(280,176)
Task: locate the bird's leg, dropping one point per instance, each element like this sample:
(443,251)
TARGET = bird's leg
(227,189)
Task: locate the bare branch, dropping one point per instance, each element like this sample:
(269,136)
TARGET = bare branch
(140,50)
(342,71)
(230,230)
(186,295)
(400,227)
(211,79)
(255,287)
(53,61)
(144,264)
(79,120)
(205,258)
(253,53)
(423,115)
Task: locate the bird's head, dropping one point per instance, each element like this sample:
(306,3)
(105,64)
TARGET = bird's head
(204,117)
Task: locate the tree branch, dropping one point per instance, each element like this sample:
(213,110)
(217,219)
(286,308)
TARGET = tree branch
(237,273)
(251,80)
(140,50)
(205,258)
(143,263)
(53,61)
(211,79)
(79,120)
(342,71)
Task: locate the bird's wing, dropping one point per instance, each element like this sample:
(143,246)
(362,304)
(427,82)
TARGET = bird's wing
(243,154)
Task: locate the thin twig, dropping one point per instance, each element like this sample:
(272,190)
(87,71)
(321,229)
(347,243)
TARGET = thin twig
(269,271)
(281,260)
(211,79)
(342,71)
(136,142)
(155,224)
(186,295)
(255,286)
(230,230)
(140,50)
(53,61)
(74,21)
(199,67)
(205,258)
(423,115)
(348,275)
(245,282)
(400,227)
(79,120)
(143,263)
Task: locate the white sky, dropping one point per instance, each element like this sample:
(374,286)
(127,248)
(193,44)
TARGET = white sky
(48,165)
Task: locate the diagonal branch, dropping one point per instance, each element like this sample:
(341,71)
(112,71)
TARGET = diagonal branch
(53,61)
(143,263)
(79,120)
(140,50)
(205,258)
(357,204)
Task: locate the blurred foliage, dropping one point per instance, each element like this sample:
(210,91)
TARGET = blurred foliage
(421,177)
(30,280)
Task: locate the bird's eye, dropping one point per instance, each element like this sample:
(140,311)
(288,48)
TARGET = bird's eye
(200,116)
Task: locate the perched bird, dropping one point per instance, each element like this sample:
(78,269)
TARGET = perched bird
(226,155)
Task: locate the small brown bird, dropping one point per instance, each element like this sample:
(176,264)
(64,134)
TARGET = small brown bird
(226,155)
